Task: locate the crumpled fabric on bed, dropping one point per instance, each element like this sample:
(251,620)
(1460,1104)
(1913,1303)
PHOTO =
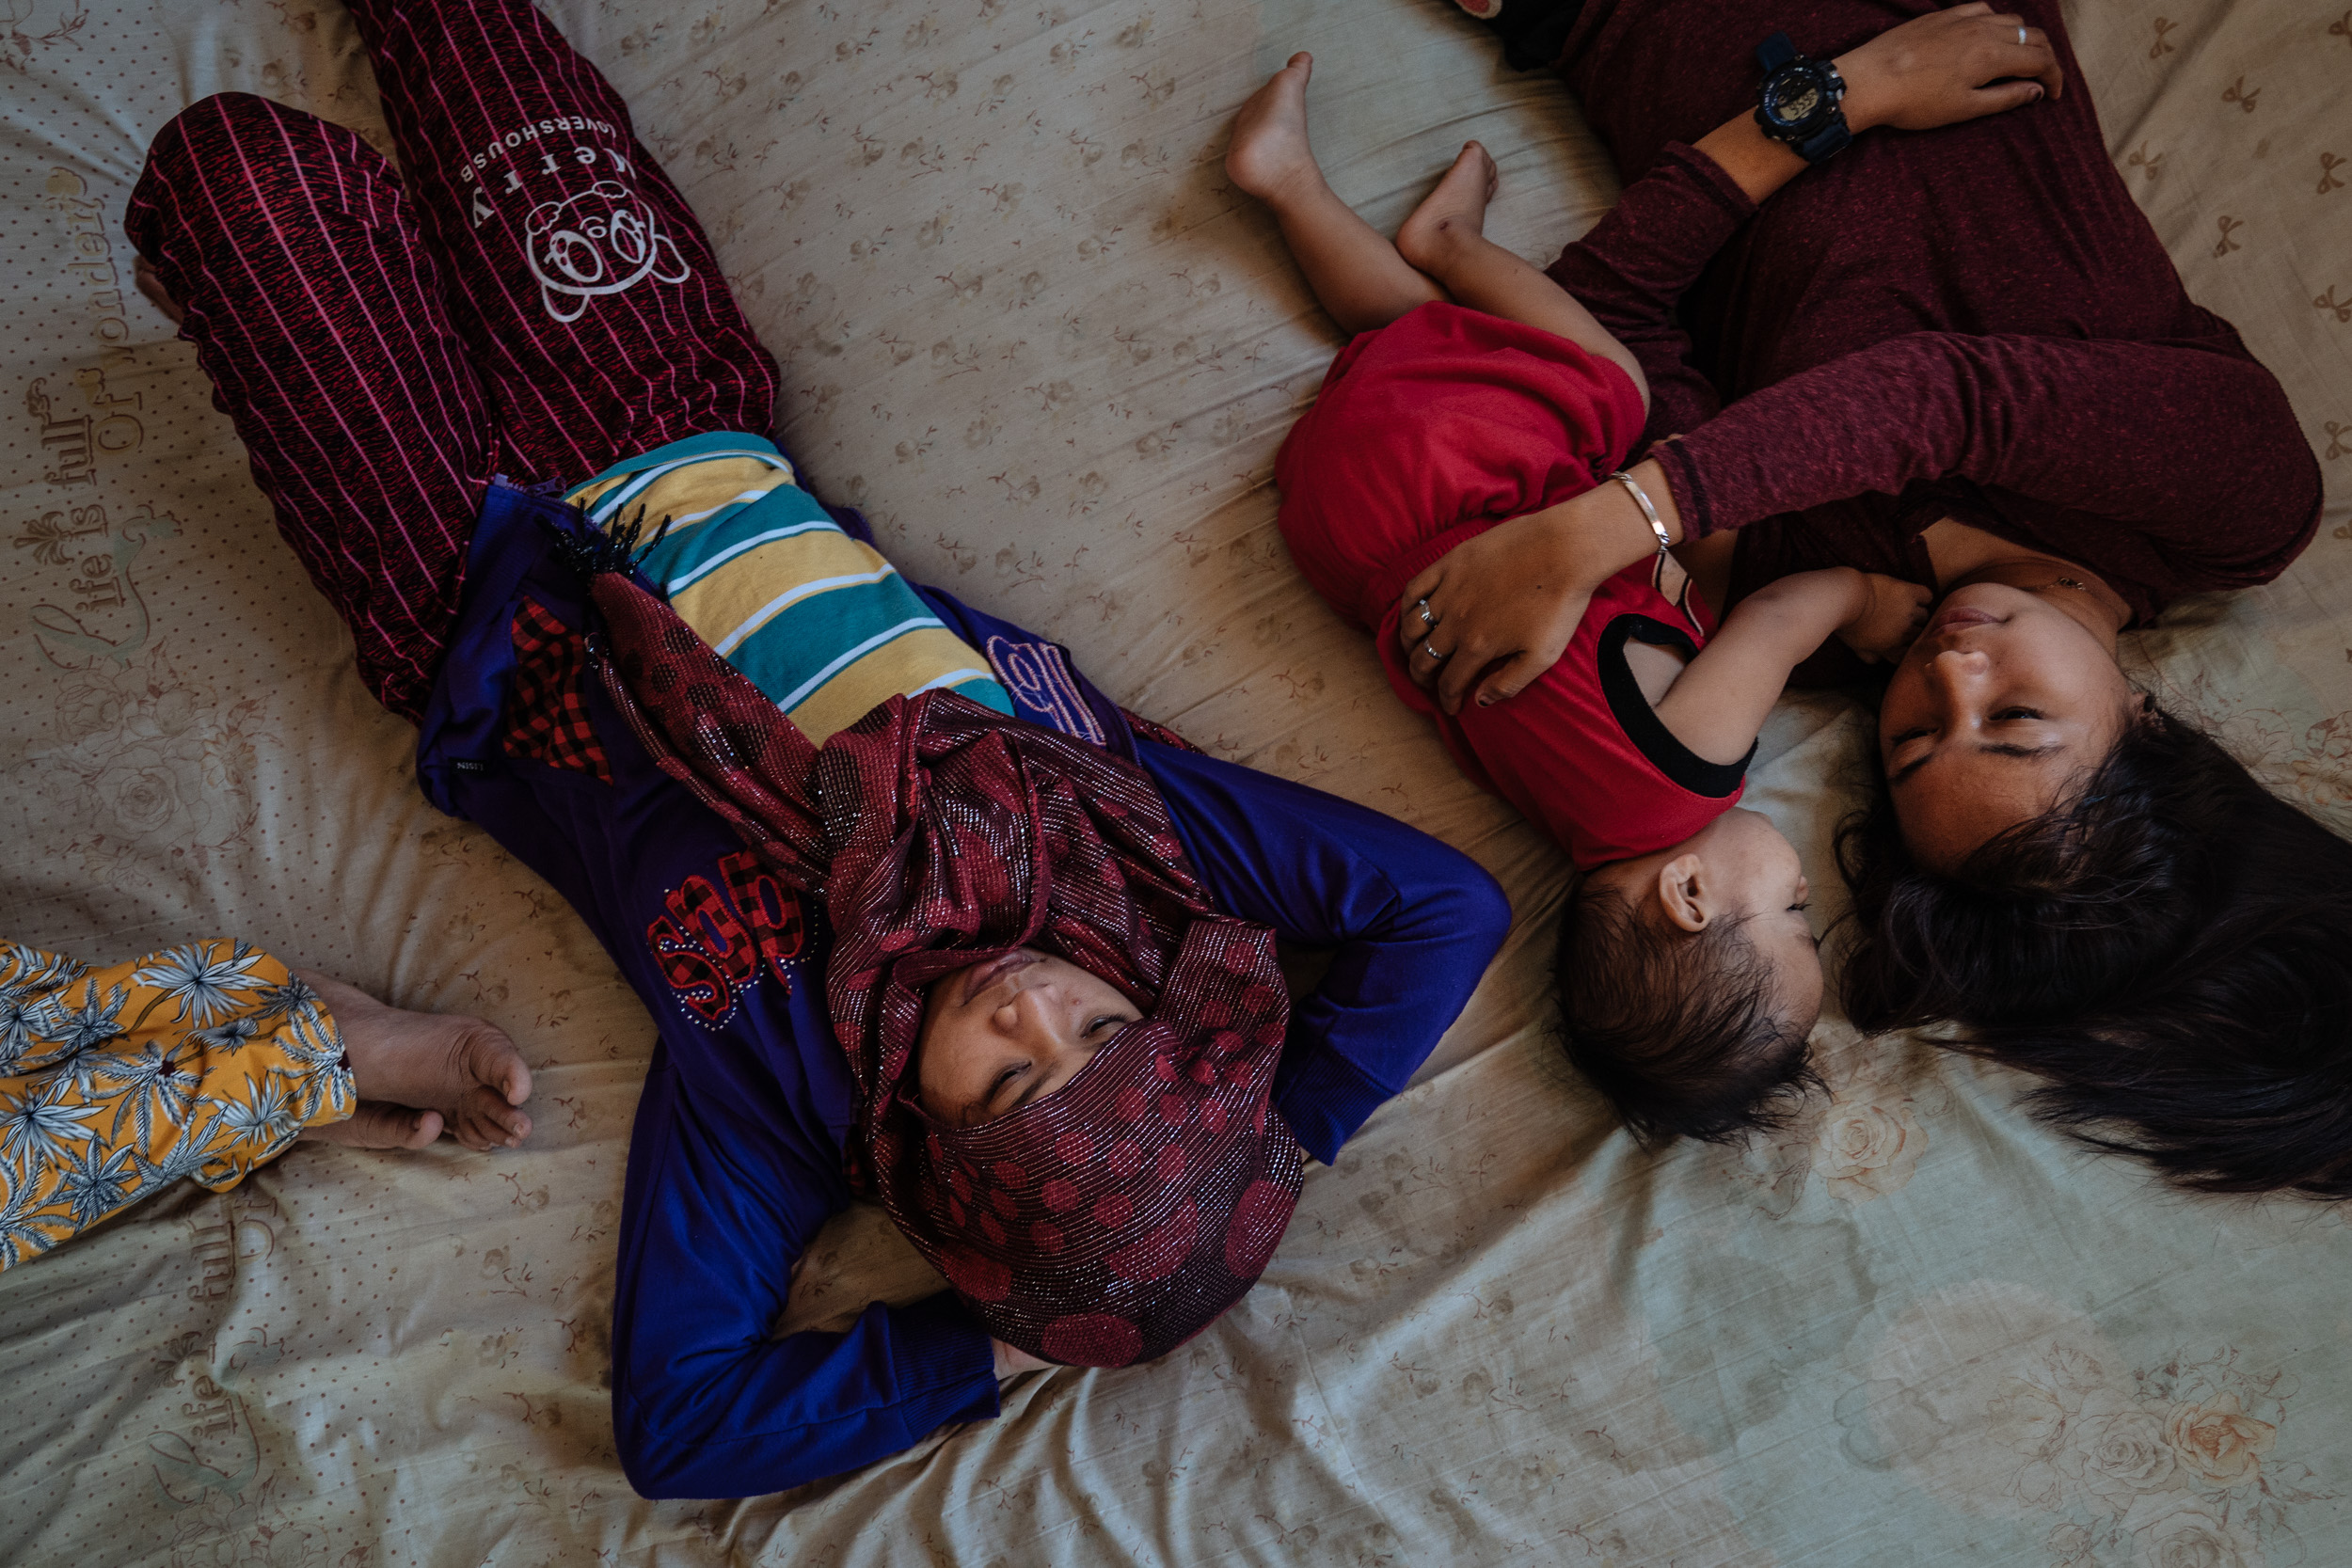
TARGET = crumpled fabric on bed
(1028,328)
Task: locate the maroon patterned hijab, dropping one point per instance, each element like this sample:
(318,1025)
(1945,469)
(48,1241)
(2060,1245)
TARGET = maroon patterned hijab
(1100,1225)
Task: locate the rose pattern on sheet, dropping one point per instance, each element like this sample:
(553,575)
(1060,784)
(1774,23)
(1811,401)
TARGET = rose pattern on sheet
(149,769)
(1031,331)
(2004,1402)
(1865,1138)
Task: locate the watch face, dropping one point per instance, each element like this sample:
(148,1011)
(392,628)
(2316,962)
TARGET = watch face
(1793,100)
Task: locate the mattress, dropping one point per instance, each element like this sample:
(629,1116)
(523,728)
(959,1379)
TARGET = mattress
(1027,326)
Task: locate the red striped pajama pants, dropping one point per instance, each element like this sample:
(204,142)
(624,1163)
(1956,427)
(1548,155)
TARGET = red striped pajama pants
(535,299)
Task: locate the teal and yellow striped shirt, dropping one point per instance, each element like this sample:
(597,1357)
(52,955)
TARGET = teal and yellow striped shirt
(816,620)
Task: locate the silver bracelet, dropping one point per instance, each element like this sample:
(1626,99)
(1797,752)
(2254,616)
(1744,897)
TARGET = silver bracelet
(1649,513)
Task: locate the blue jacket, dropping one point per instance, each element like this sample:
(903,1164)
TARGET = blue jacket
(735,1159)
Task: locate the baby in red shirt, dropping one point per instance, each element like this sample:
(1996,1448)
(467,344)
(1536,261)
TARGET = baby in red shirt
(1478,390)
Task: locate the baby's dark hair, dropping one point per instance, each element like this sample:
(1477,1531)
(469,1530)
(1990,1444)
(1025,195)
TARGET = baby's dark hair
(1680,1029)
(2170,950)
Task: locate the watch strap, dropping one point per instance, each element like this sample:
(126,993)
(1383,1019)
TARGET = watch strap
(1830,138)
(1776,52)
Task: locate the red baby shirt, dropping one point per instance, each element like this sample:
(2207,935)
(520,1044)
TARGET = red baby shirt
(1427,433)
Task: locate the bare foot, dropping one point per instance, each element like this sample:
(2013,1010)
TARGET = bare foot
(143,272)
(463,1068)
(376,1125)
(1269,157)
(1456,210)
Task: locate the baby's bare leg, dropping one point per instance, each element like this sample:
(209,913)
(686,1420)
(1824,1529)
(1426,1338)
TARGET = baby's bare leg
(1357,276)
(1446,238)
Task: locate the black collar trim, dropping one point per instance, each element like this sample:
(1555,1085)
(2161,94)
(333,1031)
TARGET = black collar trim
(1640,721)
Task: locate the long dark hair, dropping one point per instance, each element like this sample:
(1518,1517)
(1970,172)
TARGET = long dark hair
(2170,949)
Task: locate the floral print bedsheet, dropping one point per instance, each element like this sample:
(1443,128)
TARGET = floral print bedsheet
(1027,326)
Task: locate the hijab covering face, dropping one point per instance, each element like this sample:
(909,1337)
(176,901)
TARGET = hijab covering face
(1100,1225)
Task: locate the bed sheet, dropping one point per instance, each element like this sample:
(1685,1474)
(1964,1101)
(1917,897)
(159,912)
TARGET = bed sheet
(1027,326)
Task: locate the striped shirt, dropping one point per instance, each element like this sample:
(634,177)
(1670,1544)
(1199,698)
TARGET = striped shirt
(816,620)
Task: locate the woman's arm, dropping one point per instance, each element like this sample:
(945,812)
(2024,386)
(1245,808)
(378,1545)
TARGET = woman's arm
(1412,925)
(2195,449)
(1639,260)
(730,1176)
(738,1415)
(1635,265)
(1515,594)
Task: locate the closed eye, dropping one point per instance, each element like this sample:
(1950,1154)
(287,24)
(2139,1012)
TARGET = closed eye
(1897,743)
(2004,715)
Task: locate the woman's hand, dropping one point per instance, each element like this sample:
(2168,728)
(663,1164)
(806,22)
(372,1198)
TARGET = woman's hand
(1932,70)
(1504,605)
(1947,67)
(1889,621)
(1012,1363)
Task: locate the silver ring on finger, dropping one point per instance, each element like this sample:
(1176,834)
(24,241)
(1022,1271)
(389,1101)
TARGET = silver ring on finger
(2021,35)
(1430,649)
(1427,620)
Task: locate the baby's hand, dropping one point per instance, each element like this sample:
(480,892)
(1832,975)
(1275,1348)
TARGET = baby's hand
(1892,613)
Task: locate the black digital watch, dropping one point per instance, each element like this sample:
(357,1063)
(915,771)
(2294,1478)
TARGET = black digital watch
(1803,101)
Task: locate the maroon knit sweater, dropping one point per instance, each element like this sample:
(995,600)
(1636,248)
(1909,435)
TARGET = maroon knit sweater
(1974,322)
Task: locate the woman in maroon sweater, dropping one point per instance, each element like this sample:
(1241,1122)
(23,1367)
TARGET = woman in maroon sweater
(1960,356)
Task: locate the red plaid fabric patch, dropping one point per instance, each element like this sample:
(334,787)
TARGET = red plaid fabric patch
(546,720)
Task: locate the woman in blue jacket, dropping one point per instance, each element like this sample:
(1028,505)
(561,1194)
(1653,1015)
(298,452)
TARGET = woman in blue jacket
(537,301)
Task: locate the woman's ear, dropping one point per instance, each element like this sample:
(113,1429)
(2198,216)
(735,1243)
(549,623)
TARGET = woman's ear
(1682,890)
(2140,712)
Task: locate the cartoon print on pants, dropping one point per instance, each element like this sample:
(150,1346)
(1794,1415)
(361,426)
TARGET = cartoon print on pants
(601,242)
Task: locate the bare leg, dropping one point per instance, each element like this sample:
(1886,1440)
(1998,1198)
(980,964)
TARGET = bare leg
(1446,238)
(420,1073)
(1357,276)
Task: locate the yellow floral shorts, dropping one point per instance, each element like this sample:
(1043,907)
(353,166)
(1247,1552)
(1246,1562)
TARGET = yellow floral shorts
(204,1060)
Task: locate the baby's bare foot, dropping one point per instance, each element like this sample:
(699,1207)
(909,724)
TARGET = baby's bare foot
(1456,210)
(462,1067)
(1269,156)
(376,1125)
